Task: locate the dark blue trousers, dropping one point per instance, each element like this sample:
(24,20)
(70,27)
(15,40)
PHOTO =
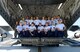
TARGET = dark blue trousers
(41,34)
(52,34)
(24,34)
(20,34)
(34,33)
(59,33)
(27,33)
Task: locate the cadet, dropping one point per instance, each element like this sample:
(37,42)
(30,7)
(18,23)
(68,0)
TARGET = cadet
(52,21)
(49,21)
(60,27)
(58,17)
(43,21)
(40,30)
(27,20)
(19,29)
(31,20)
(22,21)
(47,29)
(55,20)
(23,33)
(26,30)
(37,21)
(16,32)
(32,29)
(52,31)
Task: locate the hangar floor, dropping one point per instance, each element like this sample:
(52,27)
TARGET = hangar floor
(43,49)
(19,48)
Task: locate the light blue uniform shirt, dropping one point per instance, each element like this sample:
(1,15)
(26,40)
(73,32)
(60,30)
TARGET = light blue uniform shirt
(52,28)
(21,21)
(32,28)
(60,26)
(49,21)
(27,21)
(55,21)
(46,28)
(19,28)
(37,22)
(30,21)
(40,28)
(43,22)
(52,22)
(25,27)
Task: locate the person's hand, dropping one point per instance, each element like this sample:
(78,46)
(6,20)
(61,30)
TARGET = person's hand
(38,31)
(52,30)
(26,28)
(32,34)
(45,32)
(49,29)
(18,31)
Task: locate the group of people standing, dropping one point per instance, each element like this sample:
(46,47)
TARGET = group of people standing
(35,27)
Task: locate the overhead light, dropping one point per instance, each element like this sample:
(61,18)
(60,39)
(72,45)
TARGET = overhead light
(20,6)
(60,5)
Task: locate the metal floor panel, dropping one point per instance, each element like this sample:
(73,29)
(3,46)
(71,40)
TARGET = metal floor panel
(43,49)
(61,49)
(18,49)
